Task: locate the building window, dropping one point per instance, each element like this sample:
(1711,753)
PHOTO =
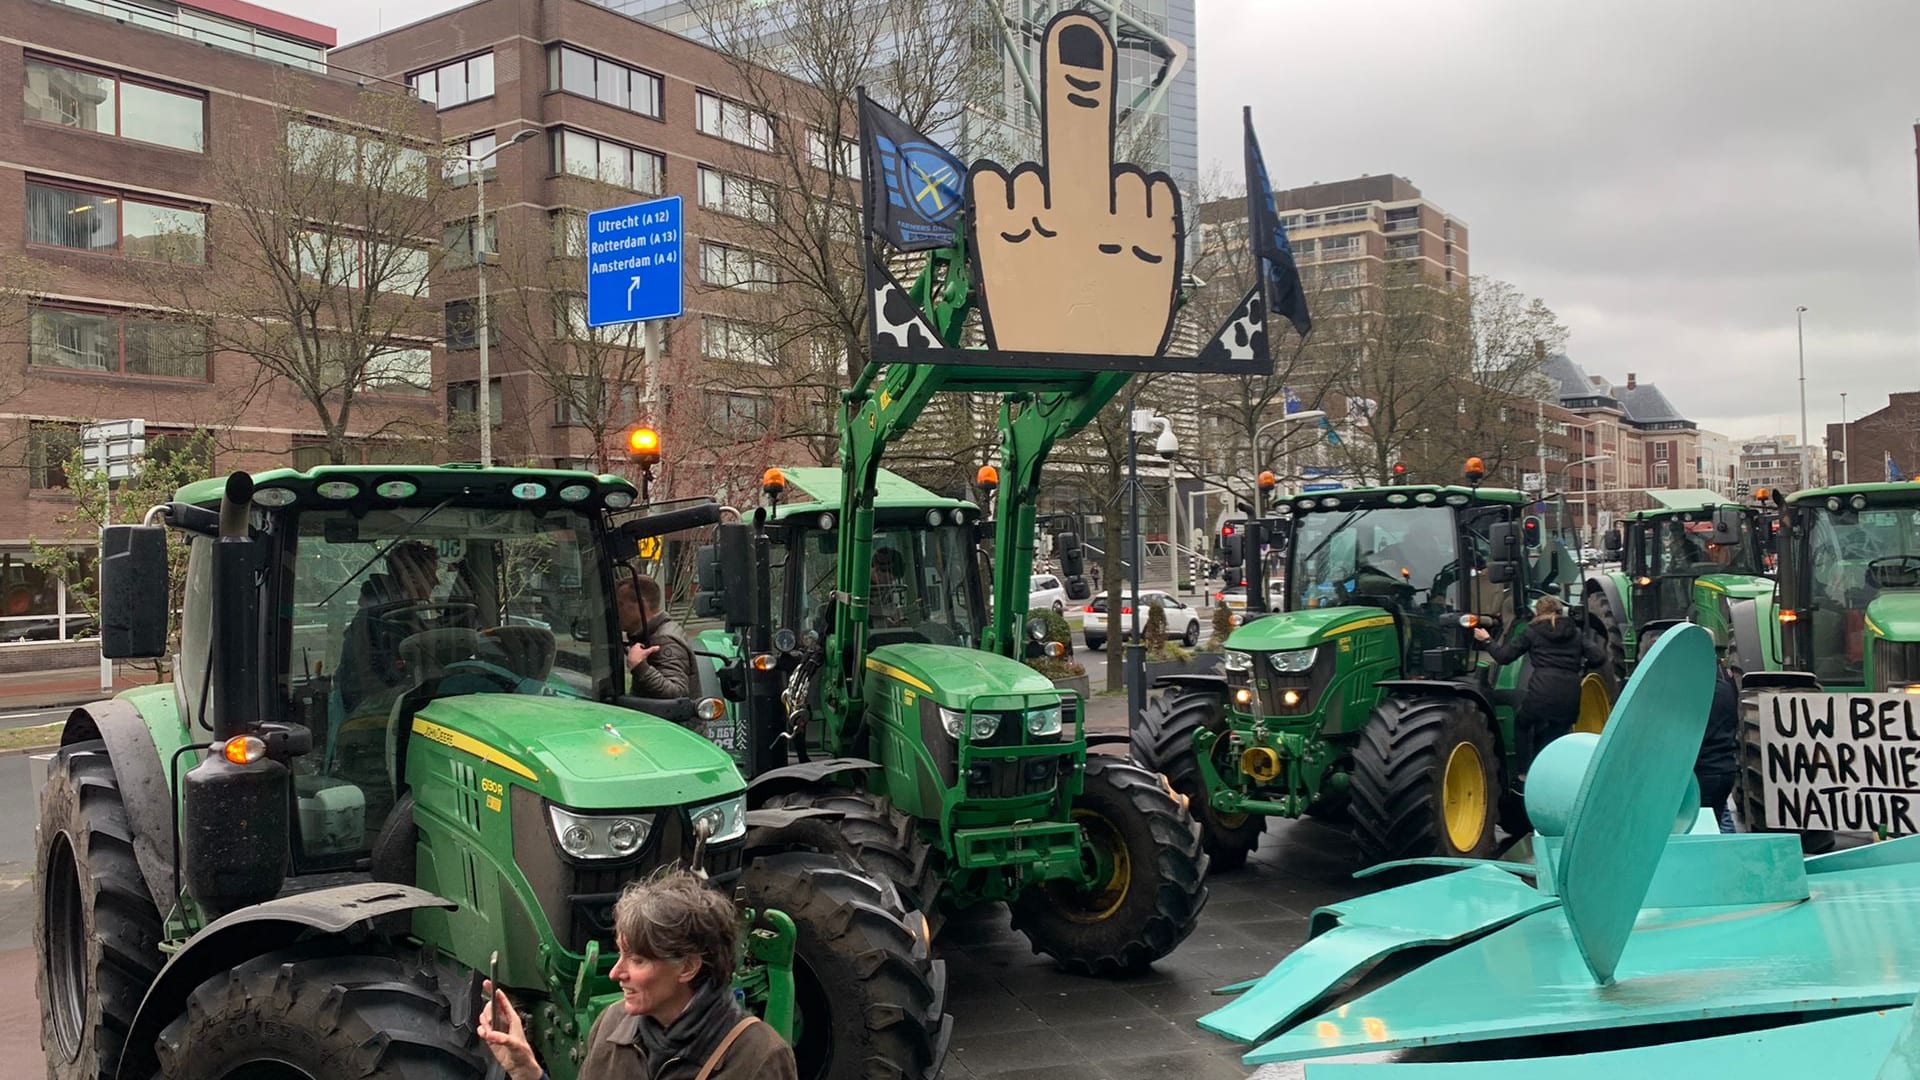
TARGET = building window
(114,105)
(570,323)
(577,404)
(569,233)
(348,158)
(398,371)
(1660,451)
(117,343)
(96,220)
(1340,247)
(1408,248)
(456,83)
(736,414)
(736,195)
(350,262)
(463,325)
(463,399)
(457,239)
(457,168)
(50,446)
(609,162)
(574,72)
(734,122)
(844,163)
(736,341)
(735,268)
(1346,215)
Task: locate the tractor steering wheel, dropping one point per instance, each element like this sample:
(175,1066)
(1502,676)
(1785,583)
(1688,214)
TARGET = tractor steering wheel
(392,609)
(1894,572)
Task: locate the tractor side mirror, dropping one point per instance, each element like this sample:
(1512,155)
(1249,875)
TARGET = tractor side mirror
(1726,525)
(726,576)
(1503,561)
(1613,543)
(1073,558)
(133,591)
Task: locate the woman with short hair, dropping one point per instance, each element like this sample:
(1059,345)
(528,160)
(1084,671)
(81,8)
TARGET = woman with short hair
(677,1018)
(1559,652)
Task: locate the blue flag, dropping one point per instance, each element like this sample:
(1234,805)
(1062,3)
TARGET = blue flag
(1333,437)
(1270,247)
(1894,475)
(912,184)
(1293,400)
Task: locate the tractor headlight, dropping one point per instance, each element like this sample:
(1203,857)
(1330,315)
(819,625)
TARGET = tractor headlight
(1044,721)
(599,836)
(725,820)
(955,720)
(1238,661)
(1292,661)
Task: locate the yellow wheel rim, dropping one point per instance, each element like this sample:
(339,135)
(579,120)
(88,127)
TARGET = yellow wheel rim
(1463,795)
(1595,705)
(1099,900)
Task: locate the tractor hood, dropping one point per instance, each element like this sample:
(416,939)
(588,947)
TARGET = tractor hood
(957,677)
(1895,616)
(1299,629)
(582,754)
(1738,586)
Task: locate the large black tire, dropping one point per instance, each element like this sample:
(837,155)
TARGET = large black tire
(871,1000)
(1162,742)
(1152,895)
(882,838)
(97,932)
(294,1013)
(1749,808)
(1400,769)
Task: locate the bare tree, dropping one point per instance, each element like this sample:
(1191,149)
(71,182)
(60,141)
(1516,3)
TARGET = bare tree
(1509,335)
(328,237)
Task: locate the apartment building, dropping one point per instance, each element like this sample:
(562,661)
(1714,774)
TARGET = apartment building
(621,112)
(1775,462)
(132,117)
(1882,444)
(1346,233)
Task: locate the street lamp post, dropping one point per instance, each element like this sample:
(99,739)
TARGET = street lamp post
(1846,463)
(1139,422)
(1591,459)
(1800,336)
(1258,466)
(478,241)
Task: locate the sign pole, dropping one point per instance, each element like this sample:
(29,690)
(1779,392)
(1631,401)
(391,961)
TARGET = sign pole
(106,518)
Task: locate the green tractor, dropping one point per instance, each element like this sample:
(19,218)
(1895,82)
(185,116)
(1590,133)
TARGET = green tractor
(1367,696)
(396,756)
(1695,558)
(1846,617)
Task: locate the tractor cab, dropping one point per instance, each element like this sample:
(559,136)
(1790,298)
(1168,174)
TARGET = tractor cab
(1850,585)
(1668,551)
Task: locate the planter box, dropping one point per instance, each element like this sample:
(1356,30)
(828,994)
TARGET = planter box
(1078,683)
(1200,664)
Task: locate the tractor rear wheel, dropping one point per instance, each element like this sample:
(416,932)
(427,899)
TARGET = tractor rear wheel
(1163,743)
(306,1015)
(1749,805)
(1145,869)
(98,933)
(1424,781)
(870,1000)
(883,838)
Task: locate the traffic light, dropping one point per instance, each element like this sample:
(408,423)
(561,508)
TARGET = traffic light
(1530,531)
(643,447)
(1232,546)
(1741,489)
(1399,472)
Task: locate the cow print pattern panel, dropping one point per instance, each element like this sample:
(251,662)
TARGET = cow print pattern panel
(895,317)
(1244,337)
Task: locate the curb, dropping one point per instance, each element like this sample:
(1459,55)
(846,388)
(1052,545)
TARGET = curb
(23,750)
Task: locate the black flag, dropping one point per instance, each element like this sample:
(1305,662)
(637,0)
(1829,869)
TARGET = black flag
(912,184)
(1277,268)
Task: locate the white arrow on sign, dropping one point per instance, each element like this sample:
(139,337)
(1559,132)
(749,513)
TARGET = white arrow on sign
(630,288)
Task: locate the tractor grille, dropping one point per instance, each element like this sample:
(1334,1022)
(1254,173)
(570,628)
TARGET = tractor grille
(1011,778)
(1895,662)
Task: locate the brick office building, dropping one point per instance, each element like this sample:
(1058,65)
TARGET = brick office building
(1869,441)
(624,112)
(111,168)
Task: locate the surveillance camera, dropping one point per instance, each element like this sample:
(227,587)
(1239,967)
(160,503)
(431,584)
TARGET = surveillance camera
(1167,445)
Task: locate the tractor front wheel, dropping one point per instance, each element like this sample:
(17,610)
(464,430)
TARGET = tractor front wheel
(295,1015)
(1424,781)
(99,932)
(1144,887)
(870,1000)
(1163,743)
(1605,623)
(882,839)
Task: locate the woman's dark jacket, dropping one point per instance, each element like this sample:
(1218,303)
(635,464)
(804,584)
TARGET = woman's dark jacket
(1558,652)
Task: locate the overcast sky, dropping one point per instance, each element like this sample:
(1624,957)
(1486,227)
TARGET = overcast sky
(1672,178)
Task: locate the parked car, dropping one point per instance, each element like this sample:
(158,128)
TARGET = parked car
(1236,597)
(1183,622)
(1046,591)
(48,629)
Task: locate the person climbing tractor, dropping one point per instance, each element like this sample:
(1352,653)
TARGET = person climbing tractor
(1560,654)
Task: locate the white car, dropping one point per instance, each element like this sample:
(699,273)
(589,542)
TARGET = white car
(1236,597)
(1183,622)
(1045,592)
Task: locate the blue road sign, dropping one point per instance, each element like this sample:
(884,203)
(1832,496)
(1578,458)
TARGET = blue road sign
(1322,487)
(634,264)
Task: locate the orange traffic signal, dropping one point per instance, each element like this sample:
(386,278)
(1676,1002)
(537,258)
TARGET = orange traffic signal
(643,446)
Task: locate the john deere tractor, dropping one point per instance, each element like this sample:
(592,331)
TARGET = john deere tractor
(1692,559)
(1368,695)
(1847,615)
(395,756)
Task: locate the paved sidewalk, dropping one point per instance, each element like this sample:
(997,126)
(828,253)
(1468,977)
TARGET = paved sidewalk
(63,686)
